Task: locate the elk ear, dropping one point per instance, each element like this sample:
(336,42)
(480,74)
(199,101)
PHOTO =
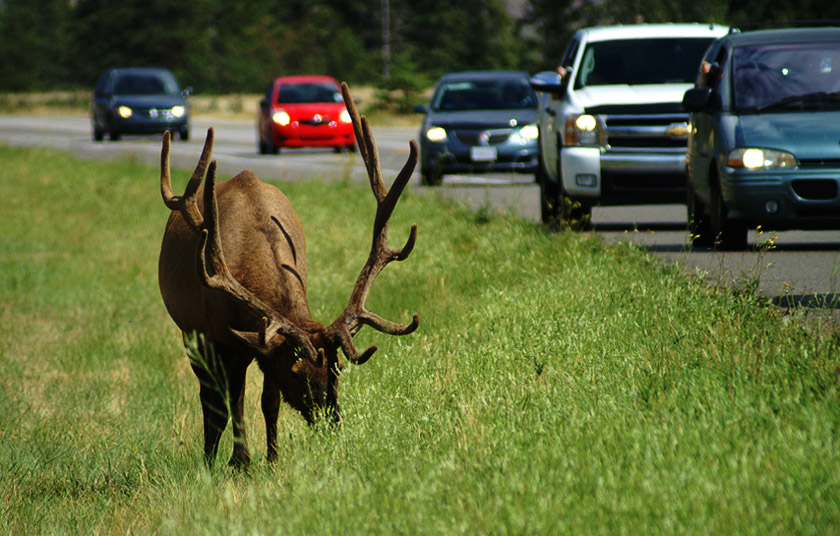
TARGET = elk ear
(321,360)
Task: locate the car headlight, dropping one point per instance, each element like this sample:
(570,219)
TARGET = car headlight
(125,112)
(436,134)
(529,132)
(281,118)
(345,116)
(581,130)
(178,111)
(755,158)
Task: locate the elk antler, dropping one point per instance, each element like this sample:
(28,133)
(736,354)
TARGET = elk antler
(355,315)
(185,204)
(213,271)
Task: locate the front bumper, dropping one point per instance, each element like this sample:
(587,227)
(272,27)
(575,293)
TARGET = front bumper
(608,177)
(138,124)
(453,157)
(795,199)
(322,135)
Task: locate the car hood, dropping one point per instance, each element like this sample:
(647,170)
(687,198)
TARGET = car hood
(483,118)
(631,94)
(148,101)
(806,135)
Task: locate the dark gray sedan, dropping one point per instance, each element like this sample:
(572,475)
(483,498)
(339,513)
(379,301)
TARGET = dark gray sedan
(479,121)
(138,101)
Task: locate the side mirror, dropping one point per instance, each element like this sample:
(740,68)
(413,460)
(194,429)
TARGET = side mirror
(187,92)
(698,99)
(549,82)
(420,109)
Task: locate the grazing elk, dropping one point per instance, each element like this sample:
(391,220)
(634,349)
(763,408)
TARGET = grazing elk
(232,269)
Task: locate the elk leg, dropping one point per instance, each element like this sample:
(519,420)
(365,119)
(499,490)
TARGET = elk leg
(215,412)
(241,456)
(271,410)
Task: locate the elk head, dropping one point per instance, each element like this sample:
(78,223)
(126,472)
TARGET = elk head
(299,356)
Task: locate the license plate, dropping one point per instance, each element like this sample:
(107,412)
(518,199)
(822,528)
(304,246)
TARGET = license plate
(483,154)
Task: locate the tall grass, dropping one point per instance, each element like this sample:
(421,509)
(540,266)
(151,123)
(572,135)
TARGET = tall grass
(556,385)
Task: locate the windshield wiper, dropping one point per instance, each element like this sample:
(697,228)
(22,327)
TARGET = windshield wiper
(808,98)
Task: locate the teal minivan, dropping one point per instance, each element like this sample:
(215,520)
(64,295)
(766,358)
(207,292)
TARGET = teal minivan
(764,138)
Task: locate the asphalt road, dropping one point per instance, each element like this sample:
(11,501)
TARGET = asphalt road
(802,267)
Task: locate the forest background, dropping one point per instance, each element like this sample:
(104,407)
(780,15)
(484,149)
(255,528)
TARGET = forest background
(238,46)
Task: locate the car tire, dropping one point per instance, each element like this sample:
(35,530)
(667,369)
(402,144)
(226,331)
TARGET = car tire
(549,196)
(431,177)
(699,226)
(98,134)
(558,209)
(184,135)
(270,148)
(728,234)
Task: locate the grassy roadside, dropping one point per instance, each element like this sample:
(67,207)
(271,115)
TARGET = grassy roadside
(554,386)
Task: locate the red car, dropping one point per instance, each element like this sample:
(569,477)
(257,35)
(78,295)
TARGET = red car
(304,111)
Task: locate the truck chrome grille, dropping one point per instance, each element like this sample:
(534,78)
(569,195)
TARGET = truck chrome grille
(665,133)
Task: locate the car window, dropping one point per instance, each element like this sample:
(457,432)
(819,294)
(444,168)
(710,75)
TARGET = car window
(510,94)
(144,84)
(308,93)
(641,61)
(571,52)
(792,76)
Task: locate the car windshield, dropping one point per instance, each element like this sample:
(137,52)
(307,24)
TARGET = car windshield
(641,61)
(462,95)
(145,84)
(308,93)
(789,77)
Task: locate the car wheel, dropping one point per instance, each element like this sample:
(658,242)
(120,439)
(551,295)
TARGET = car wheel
(184,135)
(558,209)
(98,134)
(431,177)
(266,147)
(728,234)
(699,227)
(549,198)
(113,135)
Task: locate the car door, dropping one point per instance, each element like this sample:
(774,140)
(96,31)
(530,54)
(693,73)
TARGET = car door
(101,101)
(703,138)
(552,116)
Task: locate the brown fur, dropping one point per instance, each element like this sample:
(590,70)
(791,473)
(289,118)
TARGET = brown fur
(232,269)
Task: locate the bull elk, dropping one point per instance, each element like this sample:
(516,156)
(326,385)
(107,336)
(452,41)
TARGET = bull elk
(232,269)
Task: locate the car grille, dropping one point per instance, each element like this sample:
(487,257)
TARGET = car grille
(316,121)
(154,113)
(482,137)
(815,189)
(642,133)
(820,163)
(643,128)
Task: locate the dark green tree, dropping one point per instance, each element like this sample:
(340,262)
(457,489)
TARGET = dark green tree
(35,40)
(165,33)
(440,36)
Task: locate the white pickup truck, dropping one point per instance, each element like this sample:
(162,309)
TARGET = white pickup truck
(612,129)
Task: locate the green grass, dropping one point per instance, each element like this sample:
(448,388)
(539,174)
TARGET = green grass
(555,385)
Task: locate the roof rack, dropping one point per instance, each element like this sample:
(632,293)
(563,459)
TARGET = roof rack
(753,26)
